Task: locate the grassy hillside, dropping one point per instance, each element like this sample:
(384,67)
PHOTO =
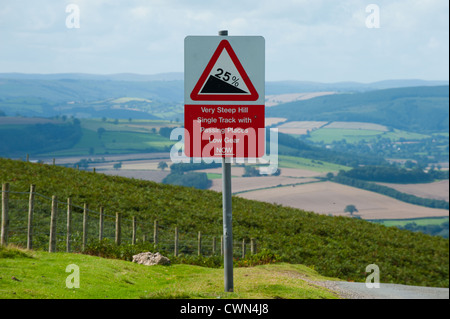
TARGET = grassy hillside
(334,246)
(418,109)
(43,276)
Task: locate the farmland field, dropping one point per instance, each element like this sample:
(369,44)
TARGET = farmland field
(273,100)
(242,184)
(332,198)
(300,127)
(353,132)
(437,190)
(357,126)
(418,221)
(308,164)
(329,135)
(269,121)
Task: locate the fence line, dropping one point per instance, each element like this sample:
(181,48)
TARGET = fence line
(82,225)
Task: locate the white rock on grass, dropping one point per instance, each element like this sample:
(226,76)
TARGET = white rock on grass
(151,259)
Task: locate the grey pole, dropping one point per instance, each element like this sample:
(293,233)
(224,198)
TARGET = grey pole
(227,218)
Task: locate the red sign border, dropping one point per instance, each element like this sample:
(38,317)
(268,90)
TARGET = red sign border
(195,94)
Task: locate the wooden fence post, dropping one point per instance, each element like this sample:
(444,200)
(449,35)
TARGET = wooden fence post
(243,248)
(118,228)
(199,245)
(176,242)
(100,225)
(85,225)
(5,217)
(69,226)
(155,233)
(253,246)
(214,246)
(52,240)
(221,245)
(30,217)
(133,237)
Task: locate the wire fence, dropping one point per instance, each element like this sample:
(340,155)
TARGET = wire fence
(35,221)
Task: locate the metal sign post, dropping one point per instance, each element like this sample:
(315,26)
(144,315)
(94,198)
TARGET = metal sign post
(227,218)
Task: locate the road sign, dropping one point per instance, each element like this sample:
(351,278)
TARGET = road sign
(224,78)
(224,96)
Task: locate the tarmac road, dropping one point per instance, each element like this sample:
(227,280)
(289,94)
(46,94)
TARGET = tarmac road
(358,290)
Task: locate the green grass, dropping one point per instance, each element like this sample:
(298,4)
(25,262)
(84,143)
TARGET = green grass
(43,275)
(124,137)
(309,164)
(335,246)
(214,176)
(330,135)
(418,221)
(116,142)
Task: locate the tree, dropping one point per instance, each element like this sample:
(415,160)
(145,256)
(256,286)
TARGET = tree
(100,132)
(250,171)
(162,165)
(350,209)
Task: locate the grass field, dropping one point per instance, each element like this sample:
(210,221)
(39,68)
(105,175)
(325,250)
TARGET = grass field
(418,221)
(123,137)
(308,164)
(350,135)
(42,275)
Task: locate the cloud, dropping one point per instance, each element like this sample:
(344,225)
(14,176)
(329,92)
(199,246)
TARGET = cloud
(317,40)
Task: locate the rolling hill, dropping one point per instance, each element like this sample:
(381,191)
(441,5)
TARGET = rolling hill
(161,96)
(414,109)
(335,246)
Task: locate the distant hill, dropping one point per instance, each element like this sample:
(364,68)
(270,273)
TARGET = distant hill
(91,98)
(133,77)
(416,109)
(285,87)
(90,95)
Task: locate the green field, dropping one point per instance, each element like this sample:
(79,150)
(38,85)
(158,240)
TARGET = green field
(214,176)
(42,275)
(121,138)
(329,135)
(418,221)
(309,164)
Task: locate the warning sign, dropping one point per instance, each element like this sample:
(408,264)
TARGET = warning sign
(224,78)
(224,97)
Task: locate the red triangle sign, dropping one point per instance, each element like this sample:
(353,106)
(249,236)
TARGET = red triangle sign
(224,78)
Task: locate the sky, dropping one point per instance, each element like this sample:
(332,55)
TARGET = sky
(305,40)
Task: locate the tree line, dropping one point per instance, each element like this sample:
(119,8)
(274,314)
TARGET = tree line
(39,138)
(394,174)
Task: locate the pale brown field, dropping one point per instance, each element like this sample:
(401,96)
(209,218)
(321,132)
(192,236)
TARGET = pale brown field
(269,121)
(436,190)
(357,126)
(331,198)
(272,100)
(237,171)
(240,184)
(300,127)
